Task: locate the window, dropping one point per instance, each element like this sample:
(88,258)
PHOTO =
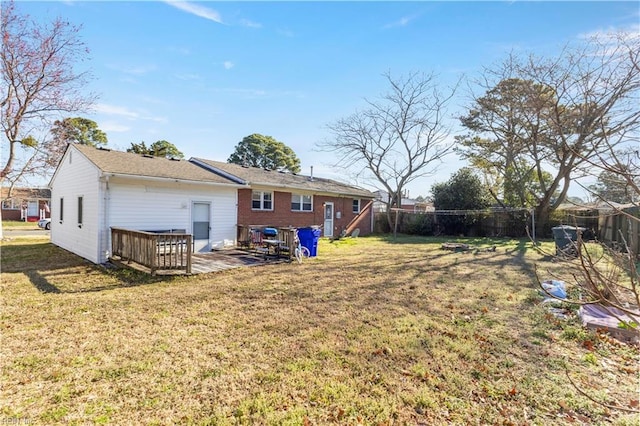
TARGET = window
(61,209)
(356,206)
(79,212)
(301,203)
(262,200)
(11,204)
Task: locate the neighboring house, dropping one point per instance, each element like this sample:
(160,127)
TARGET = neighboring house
(407,204)
(95,189)
(416,206)
(286,199)
(30,204)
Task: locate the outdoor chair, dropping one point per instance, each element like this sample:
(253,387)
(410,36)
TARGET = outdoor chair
(256,242)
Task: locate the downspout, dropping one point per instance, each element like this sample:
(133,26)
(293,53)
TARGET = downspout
(372,219)
(105,245)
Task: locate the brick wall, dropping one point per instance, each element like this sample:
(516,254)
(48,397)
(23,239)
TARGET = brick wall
(15,214)
(281,215)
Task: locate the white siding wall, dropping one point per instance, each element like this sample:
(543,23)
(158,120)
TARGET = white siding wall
(157,206)
(76,177)
(141,205)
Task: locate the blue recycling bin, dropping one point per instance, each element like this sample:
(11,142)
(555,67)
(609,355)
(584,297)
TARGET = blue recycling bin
(309,238)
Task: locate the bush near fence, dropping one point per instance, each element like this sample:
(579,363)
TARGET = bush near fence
(496,223)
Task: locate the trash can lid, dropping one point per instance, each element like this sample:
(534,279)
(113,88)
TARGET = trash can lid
(569,227)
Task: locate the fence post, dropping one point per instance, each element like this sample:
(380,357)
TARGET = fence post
(189,253)
(533,225)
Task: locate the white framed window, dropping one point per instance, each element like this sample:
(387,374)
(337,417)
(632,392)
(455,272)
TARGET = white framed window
(61,209)
(11,204)
(356,205)
(301,203)
(262,200)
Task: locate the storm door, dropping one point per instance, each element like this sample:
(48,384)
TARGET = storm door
(201,214)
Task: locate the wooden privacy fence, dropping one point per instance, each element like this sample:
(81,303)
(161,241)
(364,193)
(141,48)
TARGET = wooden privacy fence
(157,250)
(621,229)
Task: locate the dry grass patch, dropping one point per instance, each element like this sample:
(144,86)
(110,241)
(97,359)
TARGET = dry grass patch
(373,331)
(19,224)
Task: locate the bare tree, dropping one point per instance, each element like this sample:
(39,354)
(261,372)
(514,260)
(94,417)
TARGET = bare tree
(568,109)
(38,82)
(398,138)
(606,273)
(610,276)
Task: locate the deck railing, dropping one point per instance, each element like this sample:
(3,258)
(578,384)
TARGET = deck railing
(158,251)
(286,235)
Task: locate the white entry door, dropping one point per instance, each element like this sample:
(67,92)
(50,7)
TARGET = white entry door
(328,219)
(201,214)
(33,208)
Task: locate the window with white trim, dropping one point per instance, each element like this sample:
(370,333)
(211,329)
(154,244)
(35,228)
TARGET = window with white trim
(356,205)
(262,200)
(11,204)
(61,209)
(301,203)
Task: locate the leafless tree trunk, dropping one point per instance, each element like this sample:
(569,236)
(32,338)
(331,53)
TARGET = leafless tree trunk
(565,110)
(608,142)
(398,138)
(38,82)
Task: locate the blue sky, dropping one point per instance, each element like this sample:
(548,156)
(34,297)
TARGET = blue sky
(203,75)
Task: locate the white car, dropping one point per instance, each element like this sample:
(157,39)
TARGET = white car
(44,223)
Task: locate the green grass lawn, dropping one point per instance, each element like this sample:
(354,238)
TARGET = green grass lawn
(373,331)
(19,224)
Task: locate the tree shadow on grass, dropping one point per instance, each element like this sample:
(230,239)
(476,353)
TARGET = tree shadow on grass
(54,270)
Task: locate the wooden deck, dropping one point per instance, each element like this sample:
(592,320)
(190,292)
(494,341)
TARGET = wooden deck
(202,263)
(215,261)
(169,252)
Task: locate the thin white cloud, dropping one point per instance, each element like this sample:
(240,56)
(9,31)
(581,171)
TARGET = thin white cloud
(610,39)
(119,111)
(114,127)
(629,33)
(228,65)
(116,110)
(250,24)
(196,9)
(402,22)
(188,77)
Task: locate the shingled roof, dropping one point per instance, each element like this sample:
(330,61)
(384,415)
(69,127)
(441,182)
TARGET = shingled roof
(202,170)
(130,164)
(271,178)
(26,193)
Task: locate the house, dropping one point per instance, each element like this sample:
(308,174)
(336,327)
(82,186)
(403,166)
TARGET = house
(282,199)
(94,190)
(407,204)
(26,204)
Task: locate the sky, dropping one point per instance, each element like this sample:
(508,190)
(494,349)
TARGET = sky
(203,75)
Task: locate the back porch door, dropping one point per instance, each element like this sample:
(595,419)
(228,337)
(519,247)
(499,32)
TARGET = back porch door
(201,226)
